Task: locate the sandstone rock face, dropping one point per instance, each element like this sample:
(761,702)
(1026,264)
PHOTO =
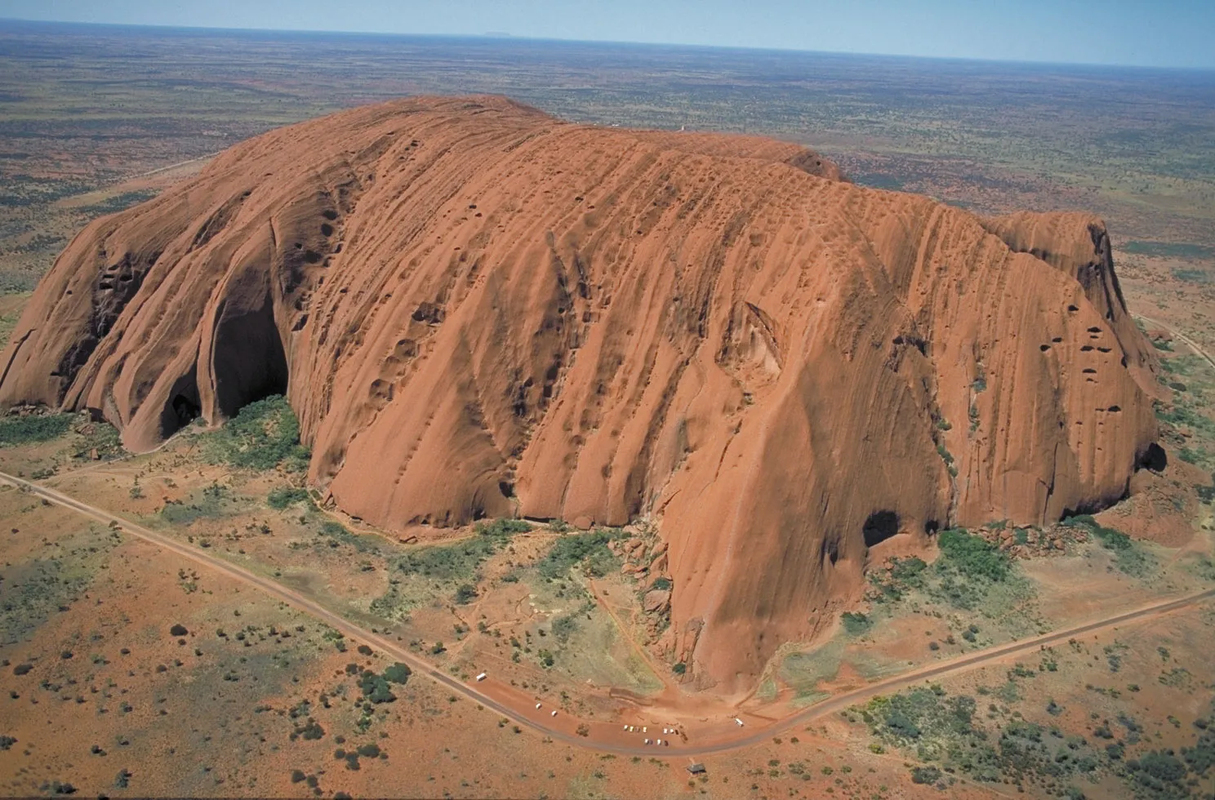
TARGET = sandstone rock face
(478,310)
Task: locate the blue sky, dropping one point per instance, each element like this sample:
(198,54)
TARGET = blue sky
(1167,33)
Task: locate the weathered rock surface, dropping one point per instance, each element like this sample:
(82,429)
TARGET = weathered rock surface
(476,309)
(656,601)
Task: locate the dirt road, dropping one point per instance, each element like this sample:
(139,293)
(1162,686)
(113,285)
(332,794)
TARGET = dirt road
(1193,345)
(603,737)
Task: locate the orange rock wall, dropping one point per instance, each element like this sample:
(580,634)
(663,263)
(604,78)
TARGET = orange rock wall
(478,310)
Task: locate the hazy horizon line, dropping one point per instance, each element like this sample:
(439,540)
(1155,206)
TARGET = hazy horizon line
(509,37)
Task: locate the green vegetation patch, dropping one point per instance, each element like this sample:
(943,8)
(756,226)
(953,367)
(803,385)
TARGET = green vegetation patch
(1183,414)
(969,570)
(37,589)
(214,502)
(1128,554)
(586,550)
(33,428)
(1165,775)
(375,688)
(1168,250)
(856,623)
(261,436)
(338,534)
(879,180)
(903,576)
(100,440)
(503,526)
(119,202)
(945,734)
(1192,275)
(398,673)
(448,562)
(424,570)
(936,729)
(281,497)
(972,556)
(971,574)
(7,321)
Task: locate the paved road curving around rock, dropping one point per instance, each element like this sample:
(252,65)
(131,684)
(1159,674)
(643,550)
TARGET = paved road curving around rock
(561,728)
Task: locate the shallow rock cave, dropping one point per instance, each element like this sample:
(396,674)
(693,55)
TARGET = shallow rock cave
(879,527)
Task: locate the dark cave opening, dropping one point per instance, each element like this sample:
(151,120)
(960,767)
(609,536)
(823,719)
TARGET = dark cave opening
(184,405)
(185,409)
(249,361)
(880,526)
(1154,458)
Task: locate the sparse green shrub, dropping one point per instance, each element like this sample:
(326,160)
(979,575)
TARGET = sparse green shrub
(449,562)
(397,673)
(1128,555)
(856,623)
(465,593)
(590,550)
(209,505)
(33,428)
(375,688)
(972,556)
(283,496)
(6,742)
(99,440)
(502,527)
(925,775)
(338,534)
(900,724)
(261,436)
(311,730)
(564,627)
(119,202)
(905,575)
(1161,772)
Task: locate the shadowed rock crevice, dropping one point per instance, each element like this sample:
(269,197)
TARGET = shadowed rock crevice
(248,359)
(879,527)
(184,405)
(1154,458)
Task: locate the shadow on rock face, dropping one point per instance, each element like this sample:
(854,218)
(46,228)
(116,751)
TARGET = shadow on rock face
(1154,458)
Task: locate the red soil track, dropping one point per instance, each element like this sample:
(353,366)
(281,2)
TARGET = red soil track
(603,737)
